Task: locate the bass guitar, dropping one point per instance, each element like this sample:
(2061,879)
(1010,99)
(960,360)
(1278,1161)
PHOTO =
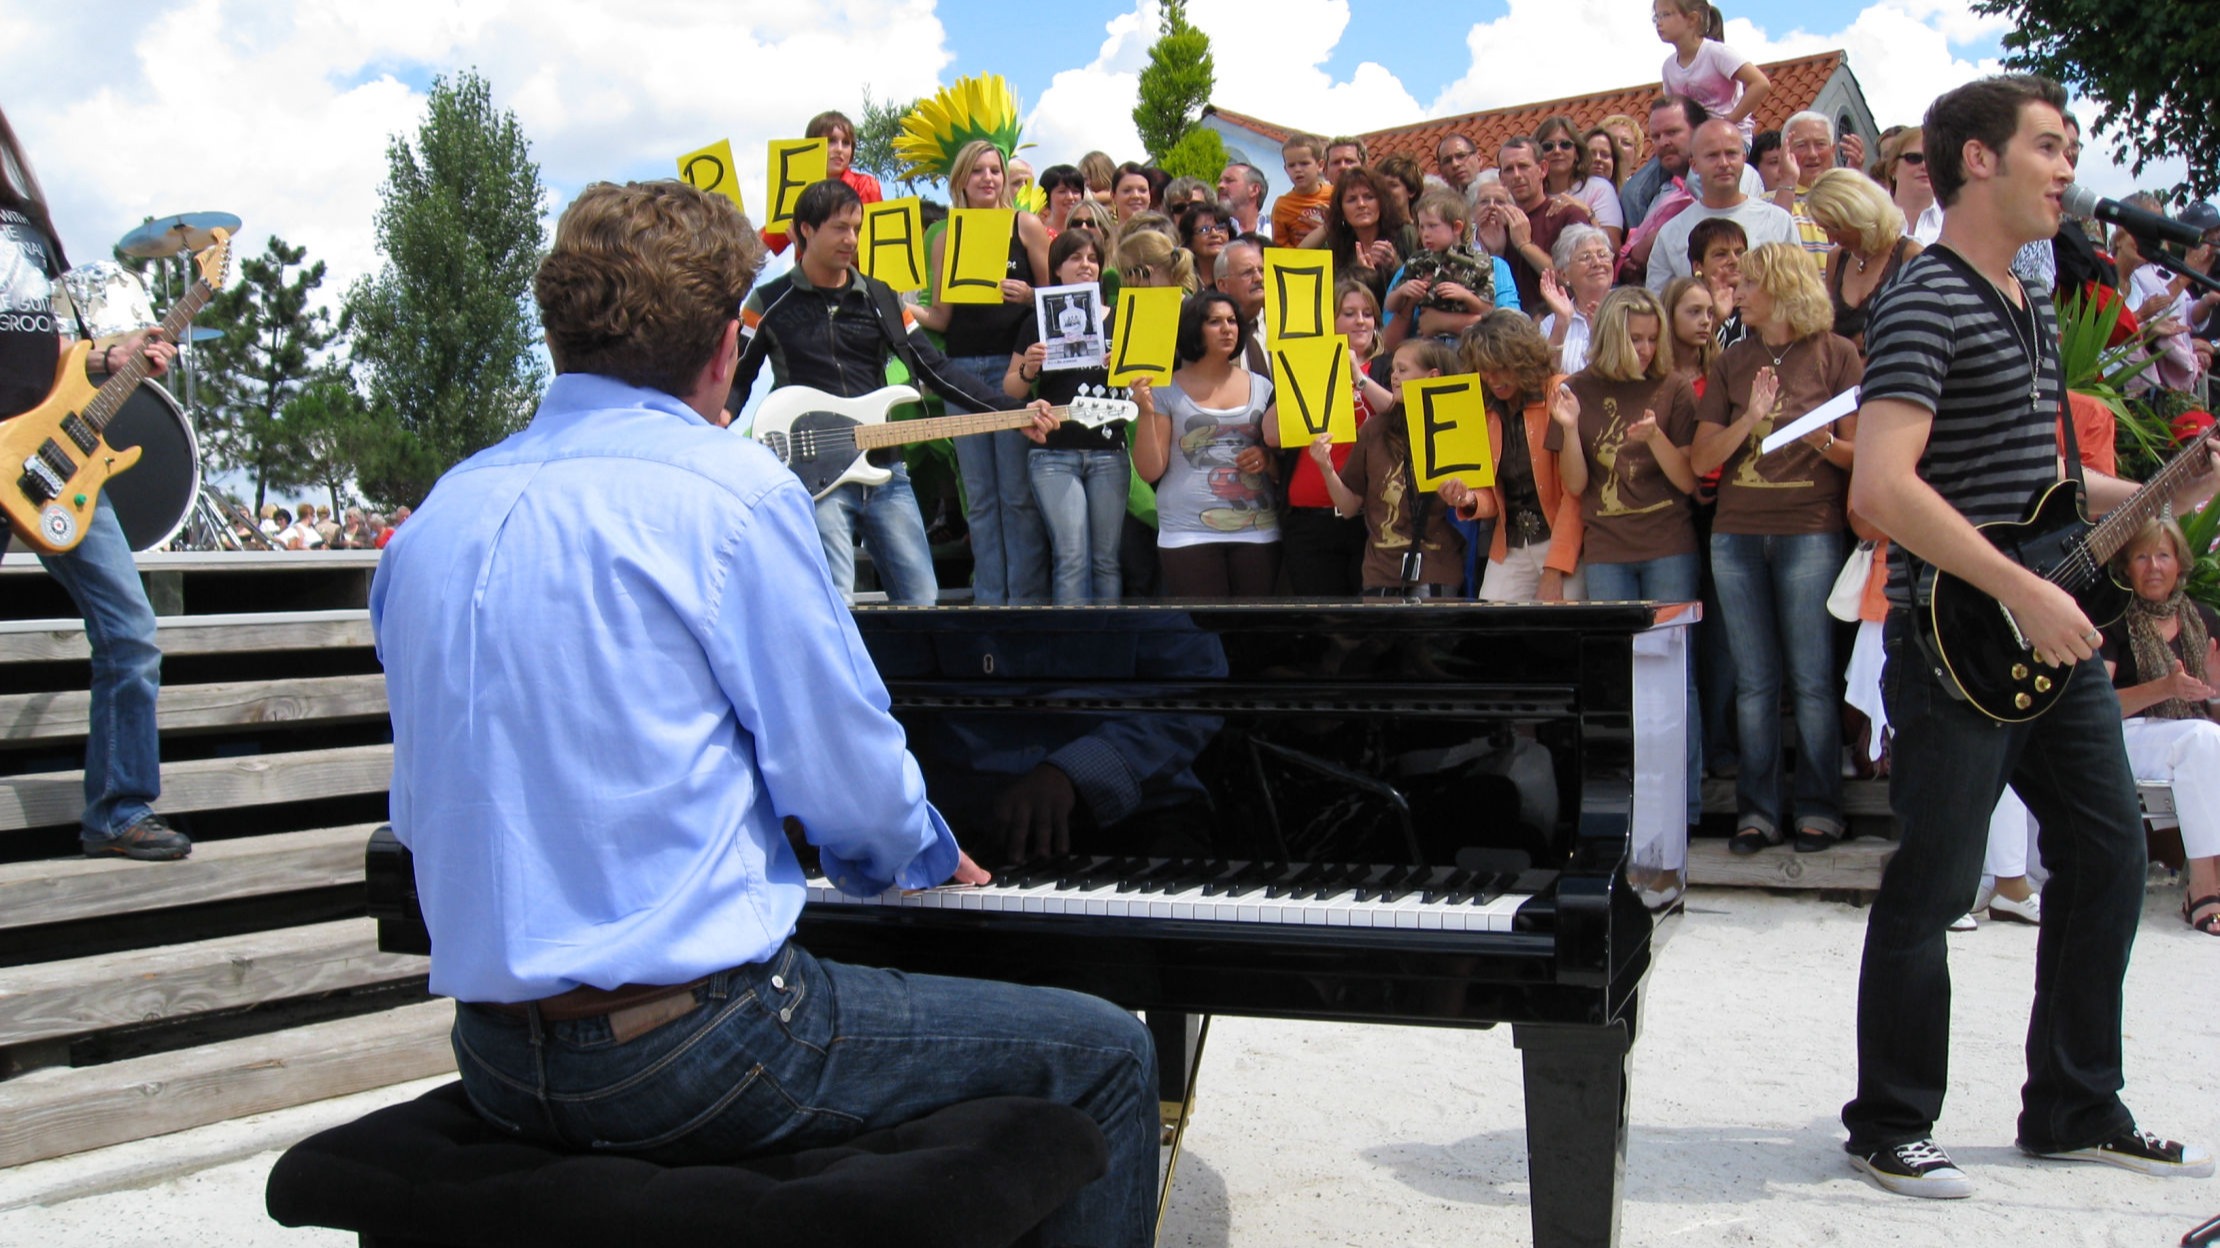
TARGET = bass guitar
(1973,641)
(60,448)
(828,440)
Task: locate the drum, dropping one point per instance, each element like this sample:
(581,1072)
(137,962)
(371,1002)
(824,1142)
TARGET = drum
(111,301)
(153,497)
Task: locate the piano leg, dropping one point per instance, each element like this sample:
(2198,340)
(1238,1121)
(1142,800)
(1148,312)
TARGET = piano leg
(1177,1037)
(1576,1097)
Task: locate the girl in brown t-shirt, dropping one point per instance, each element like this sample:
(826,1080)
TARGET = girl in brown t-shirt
(1374,481)
(1776,542)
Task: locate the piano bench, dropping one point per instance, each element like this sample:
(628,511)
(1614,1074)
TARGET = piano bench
(431,1174)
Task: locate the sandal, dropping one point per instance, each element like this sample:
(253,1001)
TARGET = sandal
(1749,840)
(2210,924)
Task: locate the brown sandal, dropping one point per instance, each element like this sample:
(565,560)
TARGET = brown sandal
(2210,924)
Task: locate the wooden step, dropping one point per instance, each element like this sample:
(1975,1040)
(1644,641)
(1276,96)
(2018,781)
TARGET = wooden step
(1859,797)
(1854,864)
(49,641)
(51,798)
(65,889)
(53,1112)
(28,717)
(56,999)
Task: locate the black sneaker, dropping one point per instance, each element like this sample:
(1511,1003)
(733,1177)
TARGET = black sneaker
(2142,1152)
(151,839)
(1915,1169)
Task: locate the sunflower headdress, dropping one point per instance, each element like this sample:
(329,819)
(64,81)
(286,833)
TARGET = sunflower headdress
(980,107)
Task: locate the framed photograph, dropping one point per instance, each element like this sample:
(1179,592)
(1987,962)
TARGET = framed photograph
(1070,320)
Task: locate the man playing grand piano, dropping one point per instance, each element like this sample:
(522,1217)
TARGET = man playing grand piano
(617,666)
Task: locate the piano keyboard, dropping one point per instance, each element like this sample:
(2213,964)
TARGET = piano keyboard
(1319,895)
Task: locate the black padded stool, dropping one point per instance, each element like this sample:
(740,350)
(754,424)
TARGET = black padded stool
(432,1174)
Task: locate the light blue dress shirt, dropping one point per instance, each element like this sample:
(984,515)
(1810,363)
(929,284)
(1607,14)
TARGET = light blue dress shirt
(616,662)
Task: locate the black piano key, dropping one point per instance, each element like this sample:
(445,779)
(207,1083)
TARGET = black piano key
(1402,882)
(1041,871)
(1489,887)
(1444,888)
(1222,875)
(1299,883)
(1077,868)
(1338,877)
(1367,880)
(1135,882)
(1108,872)
(1381,881)
(1254,877)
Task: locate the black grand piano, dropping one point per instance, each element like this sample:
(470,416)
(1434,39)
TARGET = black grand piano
(1433,813)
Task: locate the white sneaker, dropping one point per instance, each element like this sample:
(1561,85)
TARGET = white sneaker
(1965,922)
(1915,1169)
(2029,911)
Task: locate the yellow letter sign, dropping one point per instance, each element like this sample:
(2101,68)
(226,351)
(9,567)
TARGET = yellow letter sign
(975,255)
(1449,431)
(1147,334)
(892,248)
(1298,294)
(710,169)
(1310,378)
(791,165)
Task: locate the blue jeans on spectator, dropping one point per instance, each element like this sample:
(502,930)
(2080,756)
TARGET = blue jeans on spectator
(1670,578)
(1009,546)
(123,757)
(1951,763)
(794,1053)
(1082,500)
(893,533)
(1773,593)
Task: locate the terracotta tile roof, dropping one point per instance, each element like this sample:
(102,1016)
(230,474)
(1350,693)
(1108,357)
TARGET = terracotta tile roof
(1796,84)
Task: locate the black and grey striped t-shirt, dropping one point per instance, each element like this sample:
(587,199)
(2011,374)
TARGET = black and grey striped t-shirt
(1944,339)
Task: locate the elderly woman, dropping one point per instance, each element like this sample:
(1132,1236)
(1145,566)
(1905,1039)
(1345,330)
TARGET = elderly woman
(1776,541)
(1566,171)
(1870,244)
(1584,260)
(2164,663)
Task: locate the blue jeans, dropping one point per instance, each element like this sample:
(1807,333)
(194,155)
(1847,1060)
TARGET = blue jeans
(1670,578)
(1773,593)
(893,532)
(1951,763)
(1082,500)
(123,757)
(794,1053)
(1009,546)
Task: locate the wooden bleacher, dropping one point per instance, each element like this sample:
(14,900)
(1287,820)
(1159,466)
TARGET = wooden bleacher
(142,998)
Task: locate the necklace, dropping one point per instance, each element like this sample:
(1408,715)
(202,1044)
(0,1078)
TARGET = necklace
(2028,344)
(1782,357)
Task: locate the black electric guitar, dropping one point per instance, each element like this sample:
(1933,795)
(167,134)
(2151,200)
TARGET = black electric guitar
(1976,644)
(827,440)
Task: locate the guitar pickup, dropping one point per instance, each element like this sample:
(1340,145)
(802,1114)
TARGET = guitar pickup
(80,433)
(57,461)
(37,484)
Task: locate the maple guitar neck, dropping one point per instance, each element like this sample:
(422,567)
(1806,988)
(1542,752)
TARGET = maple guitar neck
(903,432)
(2122,523)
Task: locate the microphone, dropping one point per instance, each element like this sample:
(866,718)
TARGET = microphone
(2083,202)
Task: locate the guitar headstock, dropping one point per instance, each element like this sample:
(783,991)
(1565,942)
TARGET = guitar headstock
(215,261)
(1095,407)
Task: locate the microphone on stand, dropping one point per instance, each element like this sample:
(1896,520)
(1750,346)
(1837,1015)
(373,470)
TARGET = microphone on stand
(2083,202)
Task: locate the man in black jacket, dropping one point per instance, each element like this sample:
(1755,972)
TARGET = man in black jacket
(827,326)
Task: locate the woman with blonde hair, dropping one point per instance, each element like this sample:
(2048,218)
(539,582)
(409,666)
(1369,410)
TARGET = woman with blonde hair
(1150,258)
(1622,445)
(1009,545)
(1904,172)
(1870,244)
(1535,554)
(1628,138)
(1776,540)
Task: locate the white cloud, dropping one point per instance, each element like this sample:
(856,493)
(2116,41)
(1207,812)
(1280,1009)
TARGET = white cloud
(281,113)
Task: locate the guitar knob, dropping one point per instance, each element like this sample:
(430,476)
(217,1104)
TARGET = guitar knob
(2022,701)
(2019,671)
(2042,684)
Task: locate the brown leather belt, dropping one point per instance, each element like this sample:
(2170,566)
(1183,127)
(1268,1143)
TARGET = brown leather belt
(633,1010)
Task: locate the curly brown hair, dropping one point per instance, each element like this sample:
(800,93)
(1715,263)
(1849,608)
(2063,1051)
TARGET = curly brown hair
(642,281)
(1505,342)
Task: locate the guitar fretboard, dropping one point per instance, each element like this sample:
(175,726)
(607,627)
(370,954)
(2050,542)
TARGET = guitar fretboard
(2122,523)
(125,381)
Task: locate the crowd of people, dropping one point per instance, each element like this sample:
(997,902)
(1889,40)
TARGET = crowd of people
(314,527)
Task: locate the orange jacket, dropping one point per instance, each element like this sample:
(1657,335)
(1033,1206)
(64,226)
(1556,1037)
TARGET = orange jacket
(1561,505)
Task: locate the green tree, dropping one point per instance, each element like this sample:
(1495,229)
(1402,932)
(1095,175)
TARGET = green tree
(270,337)
(330,432)
(2148,63)
(1174,87)
(875,131)
(444,338)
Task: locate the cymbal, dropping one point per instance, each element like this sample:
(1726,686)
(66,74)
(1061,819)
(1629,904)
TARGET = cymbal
(166,236)
(202,333)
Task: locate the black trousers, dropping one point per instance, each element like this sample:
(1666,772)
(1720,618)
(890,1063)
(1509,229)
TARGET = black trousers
(1951,764)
